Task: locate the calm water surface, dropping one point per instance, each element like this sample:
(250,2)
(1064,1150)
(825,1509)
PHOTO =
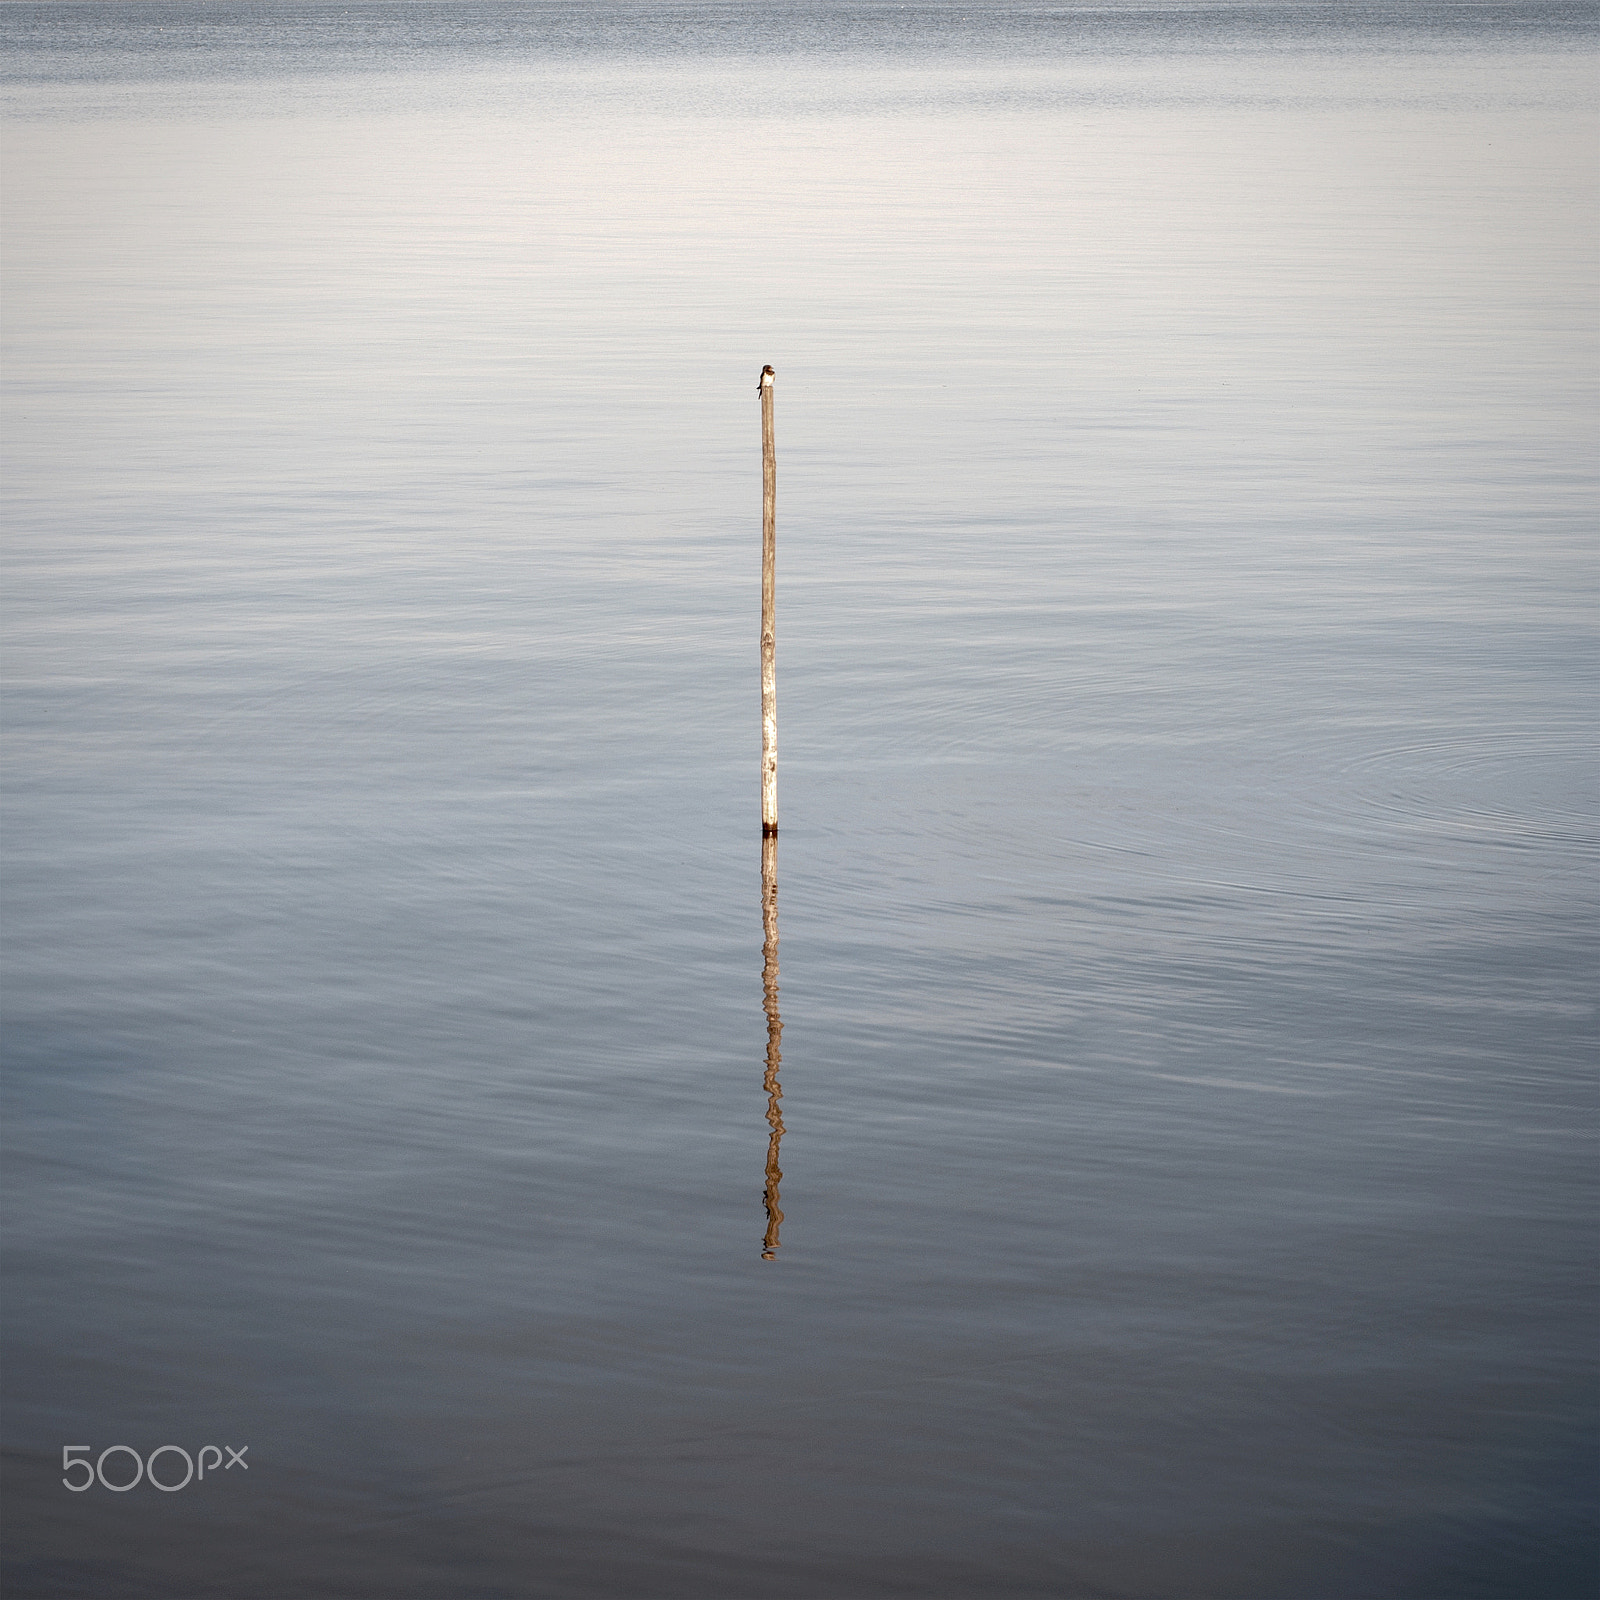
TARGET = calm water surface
(1185,902)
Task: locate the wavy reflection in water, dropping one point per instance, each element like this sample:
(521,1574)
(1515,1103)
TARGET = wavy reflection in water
(769,986)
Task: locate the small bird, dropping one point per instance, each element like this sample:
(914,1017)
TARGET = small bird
(767,375)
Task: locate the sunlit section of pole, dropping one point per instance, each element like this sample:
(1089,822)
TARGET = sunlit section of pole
(769,605)
(769,985)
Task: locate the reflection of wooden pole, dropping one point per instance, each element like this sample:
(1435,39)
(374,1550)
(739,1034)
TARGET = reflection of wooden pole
(769,602)
(769,986)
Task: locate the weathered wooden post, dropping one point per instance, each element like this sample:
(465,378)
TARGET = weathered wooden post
(769,596)
(769,809)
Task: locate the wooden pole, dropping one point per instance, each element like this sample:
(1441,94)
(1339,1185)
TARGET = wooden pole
(769,988)
(769,598)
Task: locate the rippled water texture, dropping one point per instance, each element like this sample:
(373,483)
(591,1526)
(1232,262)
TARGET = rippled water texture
(1169,1010)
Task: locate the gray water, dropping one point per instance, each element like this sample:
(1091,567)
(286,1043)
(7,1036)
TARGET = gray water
(1186,885)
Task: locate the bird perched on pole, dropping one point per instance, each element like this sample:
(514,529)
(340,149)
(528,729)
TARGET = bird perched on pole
(767,375)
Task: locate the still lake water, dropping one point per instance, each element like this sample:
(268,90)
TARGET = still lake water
(1186,886)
